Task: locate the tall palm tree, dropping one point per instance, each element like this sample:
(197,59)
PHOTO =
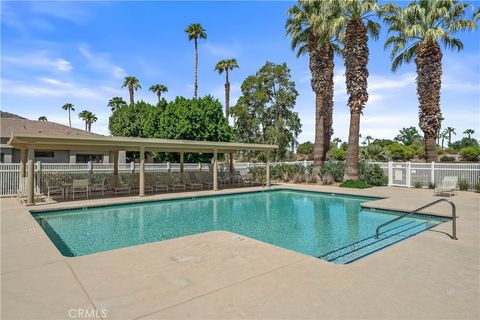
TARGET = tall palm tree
(469,133)
(225,66)
(158,89)
(133,85)
(69,107)
(353,17)
(309,28)
(42,118)
(90,118)
(449,131)
(84,116)
(116,103)
(368,139)
(416,34)
(195,31)
(336,141)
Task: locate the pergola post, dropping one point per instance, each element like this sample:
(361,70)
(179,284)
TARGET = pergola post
(115,166)
(23,162)
(231,169)
(31,173)
(181,162)
(267,173)
(215,173)
(141,187)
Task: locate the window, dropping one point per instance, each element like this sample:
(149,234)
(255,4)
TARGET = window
(84,158)
(2,157)
(44,154)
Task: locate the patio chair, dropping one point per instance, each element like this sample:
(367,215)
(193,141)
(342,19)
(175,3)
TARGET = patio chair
(448,186)
(159,183)
(99,185)
(247,179)
(189,182)
(174,181)
(80,186)
(117,186)
(205,178)
(52,188)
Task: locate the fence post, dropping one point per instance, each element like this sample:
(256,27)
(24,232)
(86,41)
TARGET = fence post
(408,178)
(169,167)
(39,174)
(199,166)
(132,166)
(304,163)
(390,173)
(432,173)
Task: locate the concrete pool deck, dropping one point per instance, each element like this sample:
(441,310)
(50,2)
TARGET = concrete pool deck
(220,275)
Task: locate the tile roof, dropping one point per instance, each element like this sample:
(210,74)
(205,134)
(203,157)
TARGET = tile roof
(7,125)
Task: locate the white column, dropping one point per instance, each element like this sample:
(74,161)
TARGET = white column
(23,162)
(267,173)
(215,174)
(408,172)
(141,187)
(115,166)
(432,173)
(31,172)
(390,173)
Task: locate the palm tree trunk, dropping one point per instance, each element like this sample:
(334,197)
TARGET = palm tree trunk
(429,73)
(69,118)
(132,100)
(328,101)
(318,148)
(227,95)
(195,72)
(351,164)
(86,128)
(356,74)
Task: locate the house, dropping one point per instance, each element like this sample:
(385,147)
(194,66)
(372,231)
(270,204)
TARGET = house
(11,122)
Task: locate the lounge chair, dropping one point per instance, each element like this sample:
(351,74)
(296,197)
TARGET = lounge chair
(247,179)
(98,184)
(80,186)
(134,182)
(448,186)
(189,182)
(54,189)
(205,178)
(173,180)
(159,183)
(117,186)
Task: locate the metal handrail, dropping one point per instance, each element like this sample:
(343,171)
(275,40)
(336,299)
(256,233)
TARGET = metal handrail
(454,217)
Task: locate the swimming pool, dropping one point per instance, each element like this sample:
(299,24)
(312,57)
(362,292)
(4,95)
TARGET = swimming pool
(328,226)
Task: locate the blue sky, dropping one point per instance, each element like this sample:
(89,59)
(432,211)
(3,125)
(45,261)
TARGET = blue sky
(79,52)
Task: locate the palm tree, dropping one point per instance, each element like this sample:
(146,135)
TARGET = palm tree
(336,141)
(368,139)
(443,135)
(133,85)
(469,133)
(417,32)
(309,28)
(220,67)
(158,89)
(449,131)
(353,17)
(116,103)
(69,107)
(195,31)
(42,118)
(84,116)
(89,119)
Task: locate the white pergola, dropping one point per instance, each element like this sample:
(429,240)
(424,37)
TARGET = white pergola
(28,142)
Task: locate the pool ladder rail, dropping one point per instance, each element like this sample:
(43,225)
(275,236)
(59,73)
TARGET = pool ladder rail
(454,217)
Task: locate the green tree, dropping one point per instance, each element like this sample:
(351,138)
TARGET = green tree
(336,141)
(407,136)
(158,89)
(264,113)
(449,131)
(354,18)
(368,139)
(305,148)
(131,120)
(116,103)
(225,66)
(469,133)
(310,29)
(133,85)
(90,118)
(84,116)
(42,118)
(195,31)
(416,34)
(69,107)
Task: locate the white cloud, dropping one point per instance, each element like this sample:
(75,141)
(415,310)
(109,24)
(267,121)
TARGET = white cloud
(222,50)
(66,10)
(101,61)
(40,59)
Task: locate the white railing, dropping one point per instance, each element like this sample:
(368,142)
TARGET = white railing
(403,174)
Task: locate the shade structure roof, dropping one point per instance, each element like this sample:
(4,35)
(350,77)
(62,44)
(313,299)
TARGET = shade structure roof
(38,140)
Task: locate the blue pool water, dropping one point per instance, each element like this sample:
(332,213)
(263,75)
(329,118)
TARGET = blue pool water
(331,227)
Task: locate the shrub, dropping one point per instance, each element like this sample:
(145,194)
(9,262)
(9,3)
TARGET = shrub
(440,151)
(477,186)
(400,152)
(336,170)
(327,180)
(311,178)
(339,154)
(465,142)
(451,150)
(470,153)
(463,185)
(305,148)
(431,185)
(357,184)
(418,184)
(447,159)
(372,174)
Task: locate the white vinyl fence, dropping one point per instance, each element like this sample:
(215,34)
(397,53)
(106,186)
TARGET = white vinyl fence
(401,174)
